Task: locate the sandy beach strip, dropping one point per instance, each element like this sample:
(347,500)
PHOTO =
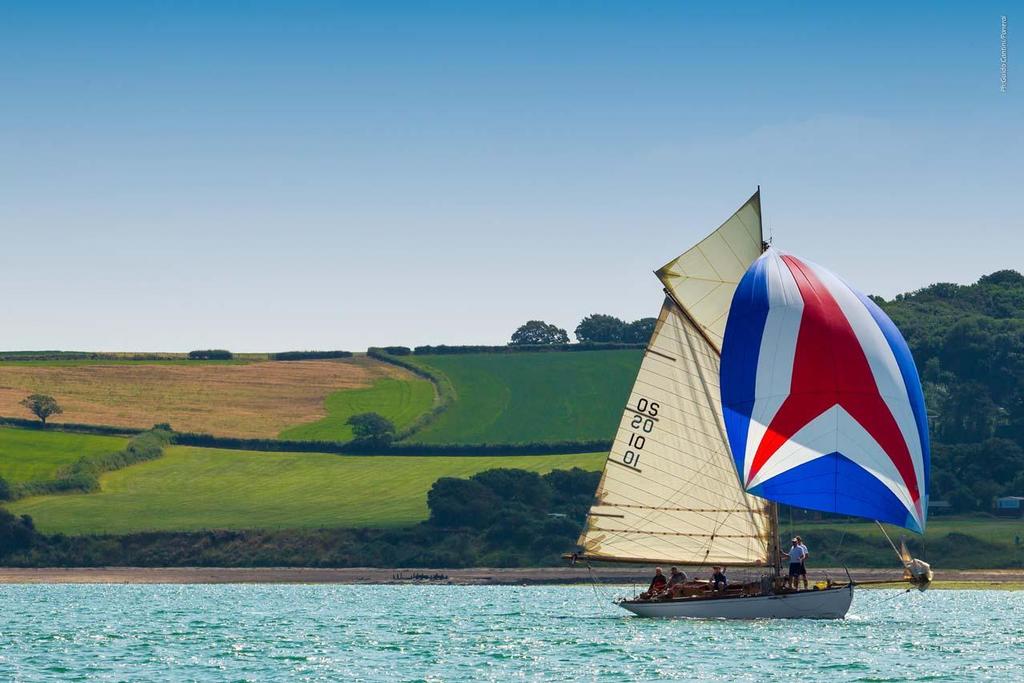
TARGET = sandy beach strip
(980,578)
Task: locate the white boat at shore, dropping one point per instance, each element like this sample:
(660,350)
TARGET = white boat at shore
(767,380)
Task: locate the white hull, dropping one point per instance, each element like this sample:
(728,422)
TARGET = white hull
(832,603)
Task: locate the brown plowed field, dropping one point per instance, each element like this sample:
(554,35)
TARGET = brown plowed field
(247,400)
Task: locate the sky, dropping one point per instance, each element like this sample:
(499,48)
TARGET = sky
(301,175)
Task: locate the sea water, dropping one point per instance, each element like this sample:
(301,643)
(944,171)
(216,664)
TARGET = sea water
(427,633)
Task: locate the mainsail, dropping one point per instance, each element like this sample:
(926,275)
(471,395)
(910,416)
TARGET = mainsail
(823,403)
(669,491)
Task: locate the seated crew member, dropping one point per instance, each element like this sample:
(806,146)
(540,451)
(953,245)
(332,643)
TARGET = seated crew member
(658,584)
(718,580)
(676,580)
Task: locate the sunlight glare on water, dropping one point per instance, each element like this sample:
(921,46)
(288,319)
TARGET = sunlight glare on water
(436,633)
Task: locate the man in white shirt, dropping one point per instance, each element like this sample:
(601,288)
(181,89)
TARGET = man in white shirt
(803,547)
(796,557)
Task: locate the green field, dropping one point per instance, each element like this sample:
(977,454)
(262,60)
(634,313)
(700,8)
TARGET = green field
(31,455)
(526,397)
(198,488)
(401,401)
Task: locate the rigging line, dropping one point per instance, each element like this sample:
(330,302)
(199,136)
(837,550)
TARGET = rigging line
(884,533)
(593,580)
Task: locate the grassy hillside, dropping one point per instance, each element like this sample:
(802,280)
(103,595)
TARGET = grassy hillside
(29,455)
(524,397)
(399,400)
(247,399)
(196,488)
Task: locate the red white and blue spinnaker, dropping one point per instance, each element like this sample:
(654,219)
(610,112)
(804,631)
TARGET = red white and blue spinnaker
(821,398)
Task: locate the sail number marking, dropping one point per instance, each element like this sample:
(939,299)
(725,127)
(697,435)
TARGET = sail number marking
(646,414)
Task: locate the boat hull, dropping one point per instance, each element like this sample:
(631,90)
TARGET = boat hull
(831,603)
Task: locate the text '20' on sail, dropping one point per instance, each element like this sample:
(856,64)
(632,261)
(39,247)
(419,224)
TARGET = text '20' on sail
(821,398)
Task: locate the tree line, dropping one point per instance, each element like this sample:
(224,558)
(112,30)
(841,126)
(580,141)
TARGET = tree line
(968,343)
(598,328)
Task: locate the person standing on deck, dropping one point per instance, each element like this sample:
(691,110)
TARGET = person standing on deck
(796,556)
(803,547)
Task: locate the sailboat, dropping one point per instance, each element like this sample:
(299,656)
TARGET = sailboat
(767,380)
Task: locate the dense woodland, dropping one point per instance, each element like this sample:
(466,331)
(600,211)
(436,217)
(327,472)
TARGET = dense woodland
(968,342)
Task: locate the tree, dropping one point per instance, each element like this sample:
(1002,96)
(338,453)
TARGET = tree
(372,428)
(5,489)
(42,406)
(639,331)
(539,332)
(598,327)
(461,503)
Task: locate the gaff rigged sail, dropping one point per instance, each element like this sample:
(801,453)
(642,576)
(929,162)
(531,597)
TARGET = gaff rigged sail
(669,492)
(821,398)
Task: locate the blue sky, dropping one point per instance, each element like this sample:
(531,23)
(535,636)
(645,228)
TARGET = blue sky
(269,176)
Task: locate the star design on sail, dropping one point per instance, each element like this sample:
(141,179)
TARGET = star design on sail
(821,400)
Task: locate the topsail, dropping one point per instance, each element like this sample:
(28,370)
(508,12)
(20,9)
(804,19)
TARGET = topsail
(702,280)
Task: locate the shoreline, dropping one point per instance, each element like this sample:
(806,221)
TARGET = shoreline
(480,576)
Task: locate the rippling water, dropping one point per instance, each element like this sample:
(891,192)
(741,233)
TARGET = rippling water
(331,632)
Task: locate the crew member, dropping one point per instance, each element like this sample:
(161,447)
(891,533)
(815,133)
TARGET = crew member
(658,584)
(803,574)
(796,556)
(718,580)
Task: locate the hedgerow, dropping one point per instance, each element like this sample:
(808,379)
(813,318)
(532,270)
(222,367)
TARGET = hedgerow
(444,349)
(75,427)
(210,354)
(443,387)
(309,355)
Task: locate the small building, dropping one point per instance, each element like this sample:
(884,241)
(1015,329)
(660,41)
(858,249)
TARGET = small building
(1010,506)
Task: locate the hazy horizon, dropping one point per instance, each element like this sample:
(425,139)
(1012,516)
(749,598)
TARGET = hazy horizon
(569,326)
(278,176)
